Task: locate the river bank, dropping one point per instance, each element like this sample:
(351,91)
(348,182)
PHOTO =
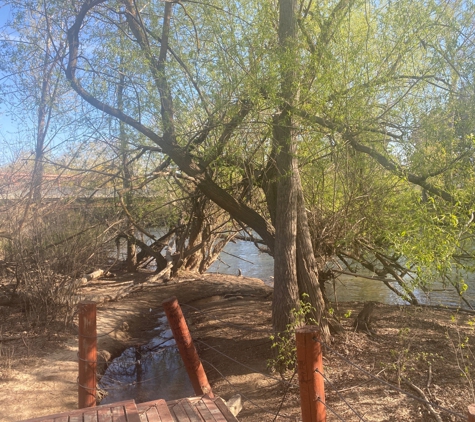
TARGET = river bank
(230,320)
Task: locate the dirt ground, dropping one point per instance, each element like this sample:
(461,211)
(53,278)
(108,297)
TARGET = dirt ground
(427,352)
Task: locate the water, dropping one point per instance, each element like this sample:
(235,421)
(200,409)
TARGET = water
(241,257)
(156,370)
(245,257)
(148,372)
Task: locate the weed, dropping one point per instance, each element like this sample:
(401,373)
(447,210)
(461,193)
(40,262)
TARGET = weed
(284,343)
(464,354)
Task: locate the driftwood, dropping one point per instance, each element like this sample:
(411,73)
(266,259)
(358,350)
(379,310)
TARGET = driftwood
(93,276)
(129,287)
(364,318)
(151,281)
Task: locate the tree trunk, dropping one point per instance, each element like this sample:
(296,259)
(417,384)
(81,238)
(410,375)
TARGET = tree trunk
(131,258)
(285,251)
(282,241)
(307,266)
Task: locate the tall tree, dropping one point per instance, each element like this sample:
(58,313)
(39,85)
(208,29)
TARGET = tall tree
(243,109)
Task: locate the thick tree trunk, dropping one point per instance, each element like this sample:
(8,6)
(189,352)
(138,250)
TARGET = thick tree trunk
(283,242)
(285,252)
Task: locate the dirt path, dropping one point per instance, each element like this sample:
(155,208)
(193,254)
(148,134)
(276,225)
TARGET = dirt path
(229,318)
(38,374)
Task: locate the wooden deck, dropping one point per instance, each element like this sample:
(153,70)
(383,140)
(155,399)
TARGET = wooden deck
(194,409)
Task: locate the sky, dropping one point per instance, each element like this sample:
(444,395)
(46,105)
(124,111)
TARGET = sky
(6,124)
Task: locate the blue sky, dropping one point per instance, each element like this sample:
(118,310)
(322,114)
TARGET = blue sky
(6,124)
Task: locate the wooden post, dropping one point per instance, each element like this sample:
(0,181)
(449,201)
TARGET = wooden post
(87,354)
(471,413)
(187,349)
(310,370)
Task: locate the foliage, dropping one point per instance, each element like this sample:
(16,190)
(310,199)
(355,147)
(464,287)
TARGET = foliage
(376,99)
(285,352)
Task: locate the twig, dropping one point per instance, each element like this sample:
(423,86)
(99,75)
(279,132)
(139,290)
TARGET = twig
(422,394)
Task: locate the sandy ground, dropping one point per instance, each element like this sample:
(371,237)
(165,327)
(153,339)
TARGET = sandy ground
(230,320)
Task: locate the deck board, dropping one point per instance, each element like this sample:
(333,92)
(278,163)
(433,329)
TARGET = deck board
(193,409)
(213,410)
(190,411)
(156,411)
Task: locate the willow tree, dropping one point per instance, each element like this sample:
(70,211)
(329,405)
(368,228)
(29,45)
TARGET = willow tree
(384,110)
(198,136)
(241,95)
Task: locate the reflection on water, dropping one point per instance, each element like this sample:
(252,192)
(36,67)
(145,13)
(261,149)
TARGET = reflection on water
(245,257)
(148,372)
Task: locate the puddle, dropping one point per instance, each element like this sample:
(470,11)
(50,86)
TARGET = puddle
(149,372)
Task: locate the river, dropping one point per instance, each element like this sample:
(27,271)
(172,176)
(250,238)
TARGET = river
(244,257)
(155,369)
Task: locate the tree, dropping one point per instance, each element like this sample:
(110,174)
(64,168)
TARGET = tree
(33,81)
(355,77)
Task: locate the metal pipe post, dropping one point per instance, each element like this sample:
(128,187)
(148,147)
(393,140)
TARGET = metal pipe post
(87,354)
(310,370)
(187,349)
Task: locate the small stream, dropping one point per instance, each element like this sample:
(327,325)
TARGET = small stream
(144,373)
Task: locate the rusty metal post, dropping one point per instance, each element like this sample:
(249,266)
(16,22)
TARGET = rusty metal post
(187,349)
(310,370)
(87,354)
(471,413)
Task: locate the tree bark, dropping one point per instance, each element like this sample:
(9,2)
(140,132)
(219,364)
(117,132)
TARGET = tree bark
(307,265)
(131,258)
(285,252)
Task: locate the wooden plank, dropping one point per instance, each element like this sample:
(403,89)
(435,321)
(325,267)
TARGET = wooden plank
(131,412)
(90,415)
(204,412)
(193,409)
(164,411)
(118,413)
(213,409)
(161,409)
(78,413)
(219,402)
(143,416)
(179,413)
(189,408)
(104,414)
(153,415)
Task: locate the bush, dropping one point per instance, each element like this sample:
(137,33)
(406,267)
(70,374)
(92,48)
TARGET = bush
(49,249)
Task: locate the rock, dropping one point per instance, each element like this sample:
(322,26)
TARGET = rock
(234,404)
